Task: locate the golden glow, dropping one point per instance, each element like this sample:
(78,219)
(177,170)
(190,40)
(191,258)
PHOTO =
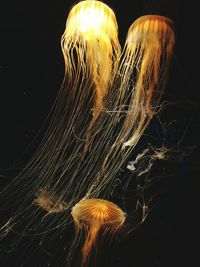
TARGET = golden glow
(98,211)
(151,28)
(148,50)
(91,19)
(94,215)
(92,33)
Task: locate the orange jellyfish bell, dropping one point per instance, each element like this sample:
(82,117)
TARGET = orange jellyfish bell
(151,28)
(94,215)
(98,211)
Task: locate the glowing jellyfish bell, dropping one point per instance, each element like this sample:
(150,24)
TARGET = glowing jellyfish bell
(92,34)
(94,215)
(149,46)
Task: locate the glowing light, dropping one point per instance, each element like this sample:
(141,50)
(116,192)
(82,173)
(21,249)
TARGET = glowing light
(94,215)
(92,31)
(100,211)
(91,19)
(148,50)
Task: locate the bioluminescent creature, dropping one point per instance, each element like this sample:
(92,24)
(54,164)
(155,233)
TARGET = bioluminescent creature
(91,49)
(105,103)
(49,203)
(93,215)
(149,46)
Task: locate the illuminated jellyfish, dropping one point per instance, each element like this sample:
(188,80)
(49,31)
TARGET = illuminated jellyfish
(91,48)
(149,47)
(49,202)
(136,94)
(93,215)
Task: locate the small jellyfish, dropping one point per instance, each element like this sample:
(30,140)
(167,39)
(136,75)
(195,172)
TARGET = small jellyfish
(94,215)
(49,201)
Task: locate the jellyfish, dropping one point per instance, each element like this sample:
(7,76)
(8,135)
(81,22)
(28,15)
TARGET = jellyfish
(149,47)
(93,215)
(91,48)
(49,203)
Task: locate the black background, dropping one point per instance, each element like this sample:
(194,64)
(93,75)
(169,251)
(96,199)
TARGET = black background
(31,71)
